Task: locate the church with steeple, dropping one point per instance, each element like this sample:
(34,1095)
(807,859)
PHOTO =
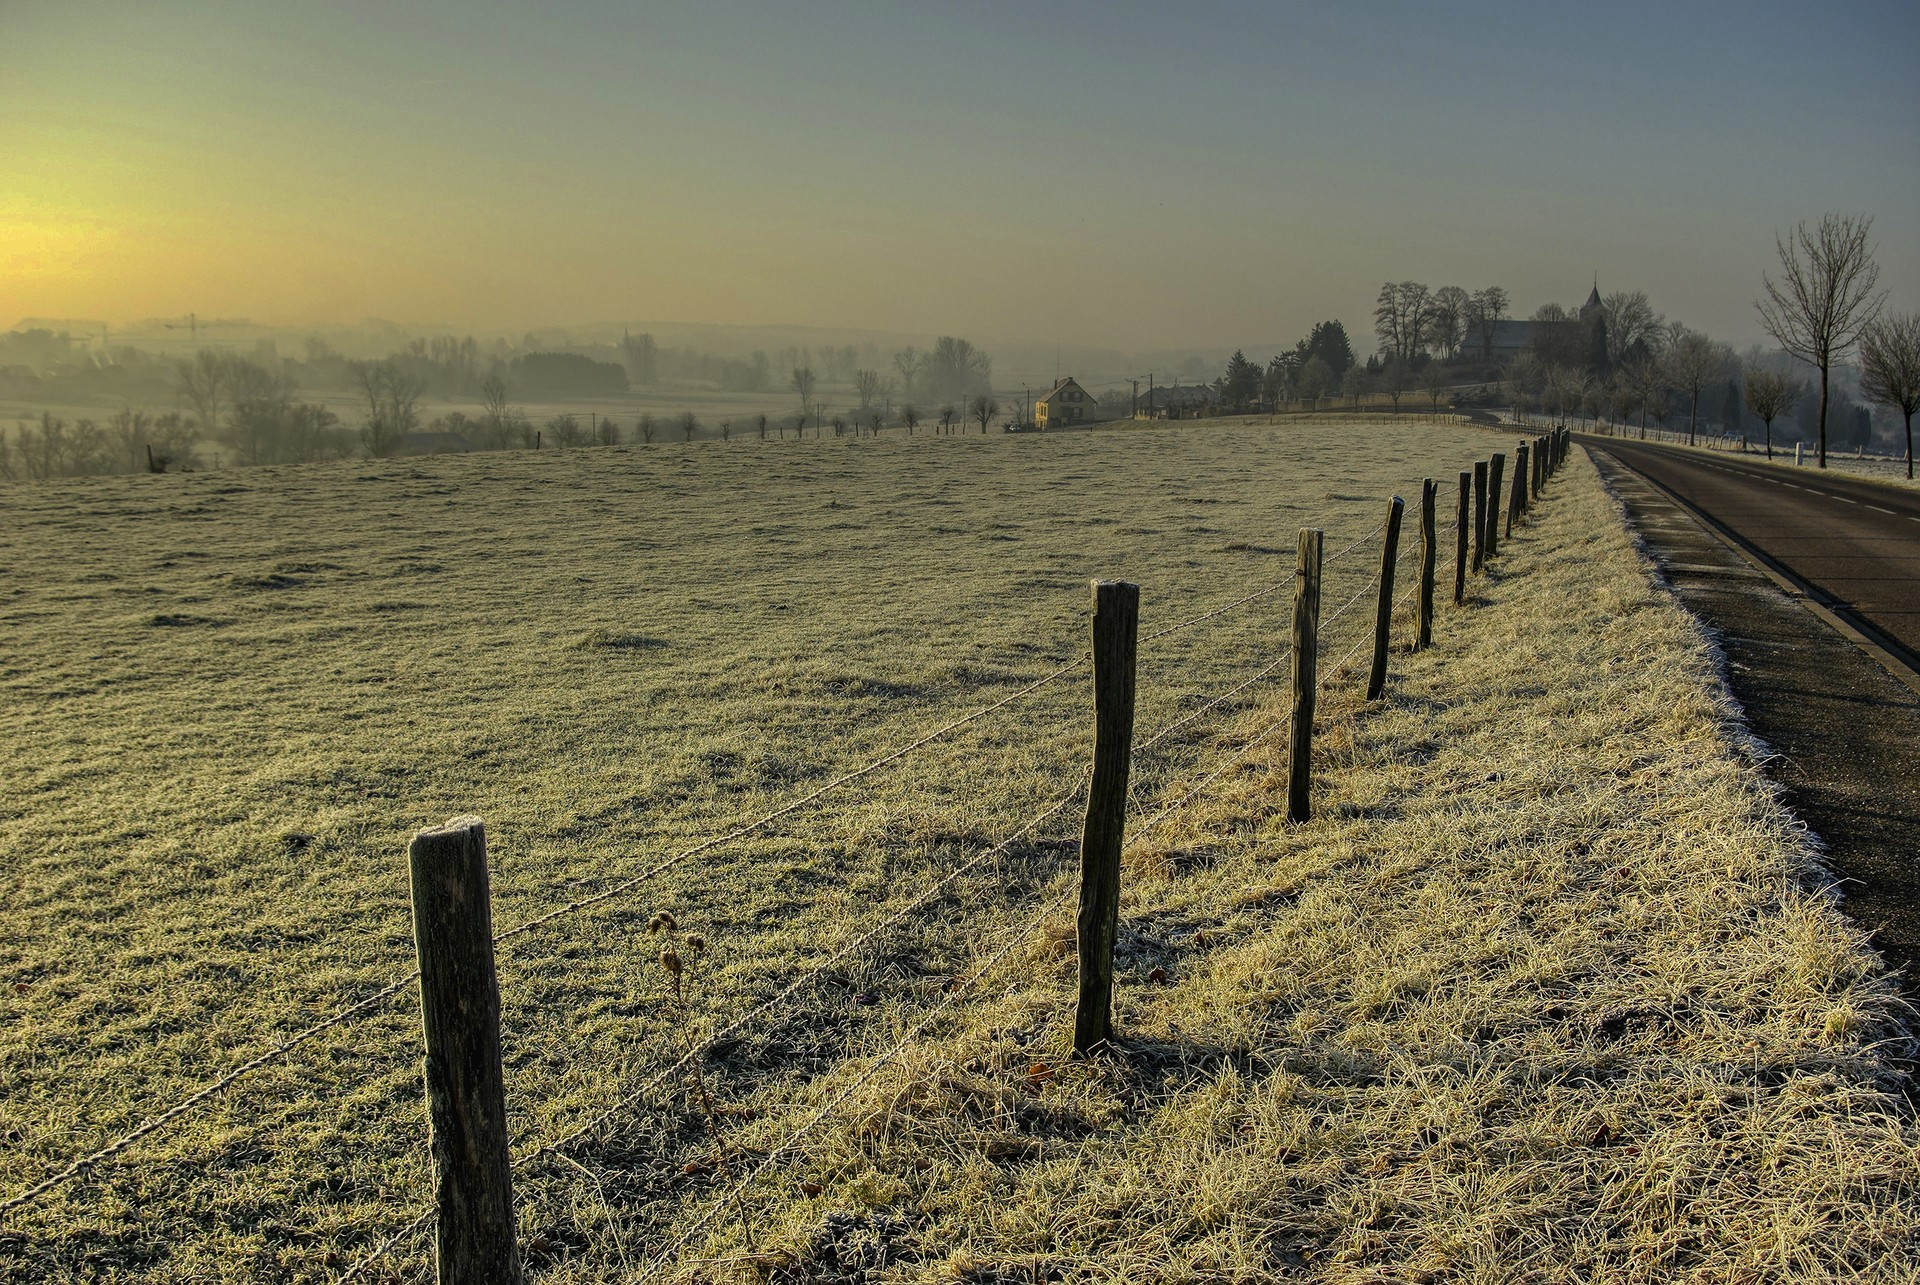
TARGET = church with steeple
(1579,340)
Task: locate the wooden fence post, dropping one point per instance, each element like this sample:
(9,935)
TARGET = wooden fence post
(1517,495)
(466,1094)
(1495,472)
(1479,515)
(1383,609)
(1423,631)
(1116,621)
(1460,538)
(1306,675)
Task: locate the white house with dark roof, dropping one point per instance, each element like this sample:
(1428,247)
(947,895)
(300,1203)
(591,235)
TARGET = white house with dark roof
(1065,403)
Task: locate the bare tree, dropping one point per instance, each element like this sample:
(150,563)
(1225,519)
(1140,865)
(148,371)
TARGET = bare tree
(947,416)
(392,392)
(1449,328)
(1486,309)
(1646,385)
(647,427)
(866,386)
(642,356)
(910,416)
(839,423)
(689,424)
(1524,378)
(1434,381)
(760,422)
(874,419)
(1693,362)
(204,382)
(131,431)
(1890,367)
(802,383)
(1630,320)
(1770,394)
(1825,296)
(955,369)
(1402,319)
(983,408)
(726,430)
(908,362)
(1395,379)
(564,430)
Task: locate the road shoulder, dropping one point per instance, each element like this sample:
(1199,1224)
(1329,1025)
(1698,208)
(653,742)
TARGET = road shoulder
(1839,728)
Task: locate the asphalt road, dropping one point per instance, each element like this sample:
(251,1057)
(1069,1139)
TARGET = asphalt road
(1841,728)
(1855,544)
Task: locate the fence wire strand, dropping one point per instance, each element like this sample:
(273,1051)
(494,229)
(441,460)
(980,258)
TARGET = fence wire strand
(668,1255)
(283,1049)
(558,1146)
(1221,610)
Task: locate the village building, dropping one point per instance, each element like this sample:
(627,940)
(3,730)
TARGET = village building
(1580,340)
(1065,403)
(1175,401)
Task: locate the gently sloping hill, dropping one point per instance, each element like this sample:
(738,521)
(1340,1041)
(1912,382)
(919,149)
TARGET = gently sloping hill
(1551,990)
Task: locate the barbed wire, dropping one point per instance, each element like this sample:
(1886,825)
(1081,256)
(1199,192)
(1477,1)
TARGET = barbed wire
(1327,562)
(1222,610)
(669,1254)
(193,1100)
(286,1047)
(841,952)
(1221,699)
(1212,776)
(740,832)
(1347,606)
(387,1246)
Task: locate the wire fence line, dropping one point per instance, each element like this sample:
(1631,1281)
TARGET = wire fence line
(669,1255)
(845,949)
(285,1048)
(840,953)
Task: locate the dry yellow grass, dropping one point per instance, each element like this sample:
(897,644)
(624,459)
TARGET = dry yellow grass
(1554,991)
(1548,991)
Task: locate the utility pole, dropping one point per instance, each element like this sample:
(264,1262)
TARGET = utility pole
(1136,399)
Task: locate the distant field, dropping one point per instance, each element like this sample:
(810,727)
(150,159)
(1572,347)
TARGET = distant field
(711,406)
(231,697)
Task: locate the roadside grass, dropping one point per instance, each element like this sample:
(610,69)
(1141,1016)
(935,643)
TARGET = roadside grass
(230,698)
(1553,989)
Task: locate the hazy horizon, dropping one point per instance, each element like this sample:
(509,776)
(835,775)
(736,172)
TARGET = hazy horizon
(1080,175)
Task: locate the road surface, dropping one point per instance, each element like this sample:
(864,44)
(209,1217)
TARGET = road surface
(1844,729)
(1853,544)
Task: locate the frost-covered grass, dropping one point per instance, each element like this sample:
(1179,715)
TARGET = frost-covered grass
(1543,991)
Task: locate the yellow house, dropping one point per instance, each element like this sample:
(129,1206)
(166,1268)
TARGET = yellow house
(1066,403)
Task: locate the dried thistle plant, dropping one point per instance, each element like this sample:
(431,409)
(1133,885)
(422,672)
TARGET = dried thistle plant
(680,952)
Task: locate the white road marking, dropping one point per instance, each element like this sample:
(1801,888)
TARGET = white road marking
(1877,509)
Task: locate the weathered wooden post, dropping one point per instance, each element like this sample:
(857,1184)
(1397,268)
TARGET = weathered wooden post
(1540,466)
(1517,495)
(1479,515)
(1306,675)
(466,1093)
(1116,621)
(1383,608)
(1495,472)
(1460,539)
(1423,630)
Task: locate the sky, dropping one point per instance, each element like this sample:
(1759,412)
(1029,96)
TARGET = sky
(1131,175)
